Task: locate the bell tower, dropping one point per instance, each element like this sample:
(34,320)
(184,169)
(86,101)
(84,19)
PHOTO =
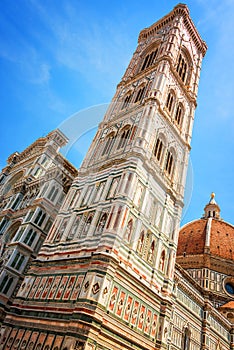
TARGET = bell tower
(104,277)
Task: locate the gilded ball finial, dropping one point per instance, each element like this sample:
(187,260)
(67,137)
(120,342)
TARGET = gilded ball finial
(212,195)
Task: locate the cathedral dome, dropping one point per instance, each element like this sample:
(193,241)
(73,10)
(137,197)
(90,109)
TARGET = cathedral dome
(206,251)
(203,241)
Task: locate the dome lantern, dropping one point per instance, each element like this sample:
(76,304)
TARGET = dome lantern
(212,209)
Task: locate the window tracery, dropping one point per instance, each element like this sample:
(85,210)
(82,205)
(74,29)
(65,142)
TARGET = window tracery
(149,59)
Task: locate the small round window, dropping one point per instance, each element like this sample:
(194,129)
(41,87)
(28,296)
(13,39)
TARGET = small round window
(229,288)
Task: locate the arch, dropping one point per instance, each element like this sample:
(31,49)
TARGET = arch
(170,161)
(183,66)
(140,93)
(127,99)
(109,142)
(12,180)
(159,147)
(170,102)
(148,56)
(179,113)
(53,193)
(11,232)
(40,218)
(124,136)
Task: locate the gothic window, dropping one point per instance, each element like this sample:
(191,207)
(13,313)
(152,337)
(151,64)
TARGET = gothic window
(125,134)
(11,182)
(30,237)
(109,142)
(6,284)
(40,218)
(179,114)
(53,193)
(149,59)
(182,67)
(140,94)
(37,172)
(3,224)
(29,216)
(48,226)
(158,149)
(169,163)
(126,101)
(170,101)
(18,261)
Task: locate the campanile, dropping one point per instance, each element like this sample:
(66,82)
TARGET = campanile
(104,276)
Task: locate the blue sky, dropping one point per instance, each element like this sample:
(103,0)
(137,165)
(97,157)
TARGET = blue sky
(58,57)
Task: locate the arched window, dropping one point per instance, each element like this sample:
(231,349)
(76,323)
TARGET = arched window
(51,192)
(6,284)
(124,138)
(109,144)
(54,195)
(170,101)
(149,59)
(40,218)
(158,149)
(30,237)
(11,182)
(182,67)
(169,163)
(140,94)
(179,114)
(126,101)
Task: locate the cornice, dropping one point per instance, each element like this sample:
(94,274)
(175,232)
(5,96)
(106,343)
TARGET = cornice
(179,10)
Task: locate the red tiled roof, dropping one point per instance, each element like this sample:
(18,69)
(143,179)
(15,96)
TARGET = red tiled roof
(229,305)
(192,239)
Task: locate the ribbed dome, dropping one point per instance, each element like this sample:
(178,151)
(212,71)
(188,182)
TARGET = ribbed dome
(207,235)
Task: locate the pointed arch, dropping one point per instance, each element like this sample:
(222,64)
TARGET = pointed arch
(124,136)
(148,56)
(170,102)
(108,144)
(179,113)
(183,66)
(140,93)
